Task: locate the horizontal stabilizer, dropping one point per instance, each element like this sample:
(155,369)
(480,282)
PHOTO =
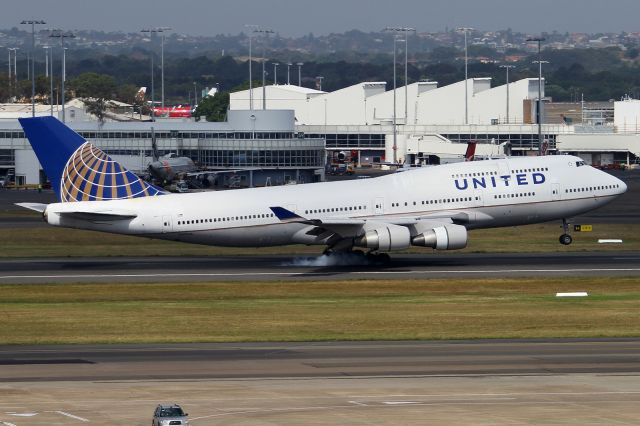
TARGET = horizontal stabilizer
(38,207)
(105,216)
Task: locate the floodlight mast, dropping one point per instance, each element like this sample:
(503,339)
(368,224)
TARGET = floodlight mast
(161,31)
(62,35)
(466,30)
(539,40)
(252,28)
(405,31)
(33,24)
(15,70)
(300,64)
(507,67)
(265,33)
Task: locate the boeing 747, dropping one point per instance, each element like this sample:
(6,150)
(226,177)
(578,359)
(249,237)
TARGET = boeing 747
(427,207)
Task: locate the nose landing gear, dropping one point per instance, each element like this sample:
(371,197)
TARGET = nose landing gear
(565,239)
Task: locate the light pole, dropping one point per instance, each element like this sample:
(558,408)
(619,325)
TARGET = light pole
(275,73)
(62,35)
(195,94)
(252,28)
(466,30)
(506,67)
(161,31)
(288,67)
(33,24)
(405,31)
(319,78)
(46,60)
(265,33)
(540,108)
(395,127)
(15,75)
(300,64)
(50,52)
(539,40)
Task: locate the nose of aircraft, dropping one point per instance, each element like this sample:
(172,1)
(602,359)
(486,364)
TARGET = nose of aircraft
(623,186)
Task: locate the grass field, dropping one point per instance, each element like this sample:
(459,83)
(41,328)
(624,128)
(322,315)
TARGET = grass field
(59,242)
(308,311)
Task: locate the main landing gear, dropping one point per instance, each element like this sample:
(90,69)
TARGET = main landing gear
(360,256)
(565,239)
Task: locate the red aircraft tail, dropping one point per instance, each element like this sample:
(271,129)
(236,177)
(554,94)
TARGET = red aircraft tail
(471,151)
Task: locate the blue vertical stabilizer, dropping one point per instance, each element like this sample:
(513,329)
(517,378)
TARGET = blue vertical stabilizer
(79,171)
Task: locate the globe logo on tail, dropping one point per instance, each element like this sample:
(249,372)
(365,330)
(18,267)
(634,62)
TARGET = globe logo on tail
(91,175)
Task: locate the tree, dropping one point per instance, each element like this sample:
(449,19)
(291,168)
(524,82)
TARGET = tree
(93,85)
(97,107)
(214,107)
(126,93)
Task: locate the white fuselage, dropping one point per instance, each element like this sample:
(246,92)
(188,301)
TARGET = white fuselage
(492,193)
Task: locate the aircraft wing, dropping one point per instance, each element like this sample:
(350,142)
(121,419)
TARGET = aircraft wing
(347,227)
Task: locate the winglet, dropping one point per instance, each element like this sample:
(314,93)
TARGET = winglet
(286,215)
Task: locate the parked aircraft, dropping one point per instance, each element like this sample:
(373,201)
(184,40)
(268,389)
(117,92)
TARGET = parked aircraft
(428,207)
(170,166)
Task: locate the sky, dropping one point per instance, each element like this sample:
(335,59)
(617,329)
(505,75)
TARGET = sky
(293,18)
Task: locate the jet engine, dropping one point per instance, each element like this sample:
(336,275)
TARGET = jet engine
(385,238)
(445,237)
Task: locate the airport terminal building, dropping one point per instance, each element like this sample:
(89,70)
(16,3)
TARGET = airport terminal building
(433,124)
(252,148)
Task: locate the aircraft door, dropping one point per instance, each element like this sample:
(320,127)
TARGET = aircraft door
(555,191)
(166,224)
(378,206)
(478,199)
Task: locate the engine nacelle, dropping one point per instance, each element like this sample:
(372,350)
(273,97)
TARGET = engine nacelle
(445,237)
(386,238)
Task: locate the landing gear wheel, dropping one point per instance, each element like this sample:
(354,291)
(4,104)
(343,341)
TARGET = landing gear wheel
(358,253)
(379,258)
(565,239)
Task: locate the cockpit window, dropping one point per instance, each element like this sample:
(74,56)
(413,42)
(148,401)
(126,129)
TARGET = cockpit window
(579,163)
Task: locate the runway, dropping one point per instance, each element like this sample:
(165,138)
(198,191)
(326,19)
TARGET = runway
(239,268)
(585,381)
(323,359)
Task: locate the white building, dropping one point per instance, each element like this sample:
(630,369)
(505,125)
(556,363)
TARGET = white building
(431,122)
(370,103)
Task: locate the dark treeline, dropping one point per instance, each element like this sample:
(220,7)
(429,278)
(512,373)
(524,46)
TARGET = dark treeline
(598,74)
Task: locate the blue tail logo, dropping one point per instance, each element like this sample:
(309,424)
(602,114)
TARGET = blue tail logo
(77,169)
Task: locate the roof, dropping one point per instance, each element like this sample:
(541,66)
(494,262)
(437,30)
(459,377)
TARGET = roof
(298,89)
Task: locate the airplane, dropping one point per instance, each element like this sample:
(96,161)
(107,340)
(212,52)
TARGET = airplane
(427,207)
(179,111)
(170,166)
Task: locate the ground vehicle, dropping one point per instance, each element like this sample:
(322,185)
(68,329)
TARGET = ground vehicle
(169,415)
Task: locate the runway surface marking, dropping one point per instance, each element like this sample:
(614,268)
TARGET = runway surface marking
(82,419)
(258,274)
(234,411)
